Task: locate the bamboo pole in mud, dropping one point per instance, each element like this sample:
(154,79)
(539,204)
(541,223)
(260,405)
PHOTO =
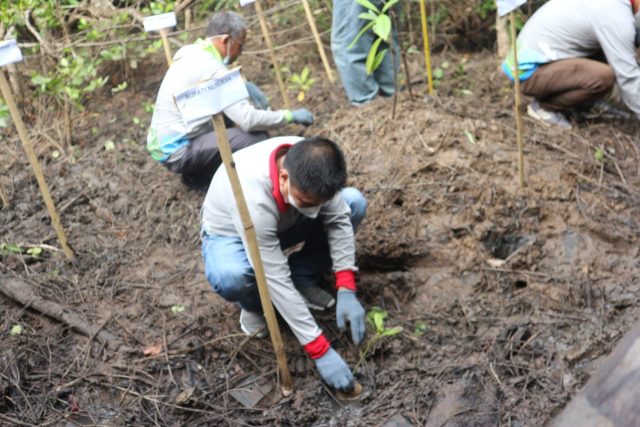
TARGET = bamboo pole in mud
(316,36)
(427,48)
(35,164)
(254,253)
(165,45)
(518,102)
(274,60)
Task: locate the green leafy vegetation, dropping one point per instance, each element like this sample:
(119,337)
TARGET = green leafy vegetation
(4,114)
(376,318)
(301,82)
(380,24)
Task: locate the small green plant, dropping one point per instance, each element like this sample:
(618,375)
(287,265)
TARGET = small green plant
(420,329)
(4,114)
(380,24)
(148,107)
(177,308)
(158,7)
(376,318)
(11,248)
(301,82)
(122,86)
(14,248)
(16,330)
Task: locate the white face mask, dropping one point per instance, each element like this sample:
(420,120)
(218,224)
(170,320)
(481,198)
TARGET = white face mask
(227,59)
(310,212)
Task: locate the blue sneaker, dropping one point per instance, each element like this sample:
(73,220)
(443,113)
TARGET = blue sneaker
(554,118)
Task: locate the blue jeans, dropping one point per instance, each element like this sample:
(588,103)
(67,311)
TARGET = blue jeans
(230,274)
(351,63)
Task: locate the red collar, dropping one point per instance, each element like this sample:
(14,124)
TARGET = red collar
(275,180)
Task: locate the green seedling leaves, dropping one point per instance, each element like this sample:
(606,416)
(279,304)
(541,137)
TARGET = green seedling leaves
(376,317)
(470,137)
(599,154)
(16,330)
(122,86)
(391,331)
(371,57)
(388,5)
(420,329)
(438,73)
(4,114)
(368,5)
(109,145)
(13,248)
(362,31)
(177,308)
(382,27)
(378,60)
(367,16)
(35,251)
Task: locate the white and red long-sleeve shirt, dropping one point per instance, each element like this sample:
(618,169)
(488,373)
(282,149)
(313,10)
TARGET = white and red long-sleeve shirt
(258,173)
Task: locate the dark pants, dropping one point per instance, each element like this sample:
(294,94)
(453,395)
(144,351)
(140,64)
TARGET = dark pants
(202,158)
(570,83)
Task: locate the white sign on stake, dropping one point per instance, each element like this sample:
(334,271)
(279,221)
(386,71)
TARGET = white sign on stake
(506,6)
(159,22)
(211,97)
(9,52)
(243,3)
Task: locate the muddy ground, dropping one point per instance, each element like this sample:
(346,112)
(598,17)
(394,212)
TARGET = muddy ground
(509,297)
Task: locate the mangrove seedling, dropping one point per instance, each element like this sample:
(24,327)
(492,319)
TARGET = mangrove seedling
(380,24)
(301,82)
(376,318)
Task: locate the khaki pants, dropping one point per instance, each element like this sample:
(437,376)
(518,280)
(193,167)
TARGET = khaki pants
(569,83)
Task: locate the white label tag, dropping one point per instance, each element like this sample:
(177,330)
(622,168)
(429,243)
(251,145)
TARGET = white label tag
(506,6)
(211,97)
(159,22)
(243,3)
(9,52)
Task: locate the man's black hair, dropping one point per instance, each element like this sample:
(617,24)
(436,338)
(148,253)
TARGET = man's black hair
(316,166)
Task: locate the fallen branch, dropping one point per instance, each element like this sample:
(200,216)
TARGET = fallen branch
(22,292)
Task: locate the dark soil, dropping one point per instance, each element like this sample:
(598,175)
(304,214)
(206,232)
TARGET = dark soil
(508,297)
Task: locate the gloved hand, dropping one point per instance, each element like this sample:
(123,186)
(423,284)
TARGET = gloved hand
(258,97)
(349,308)
(302,116)
(334,371)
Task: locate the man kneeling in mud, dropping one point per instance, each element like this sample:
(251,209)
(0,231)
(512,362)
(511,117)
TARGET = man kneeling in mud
(304,219)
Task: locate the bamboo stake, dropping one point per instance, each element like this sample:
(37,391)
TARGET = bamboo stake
(427,48)
(3,196)
(520,137)
(254,253)
(165,43)
(33,159)
(316,36)
(274,60)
